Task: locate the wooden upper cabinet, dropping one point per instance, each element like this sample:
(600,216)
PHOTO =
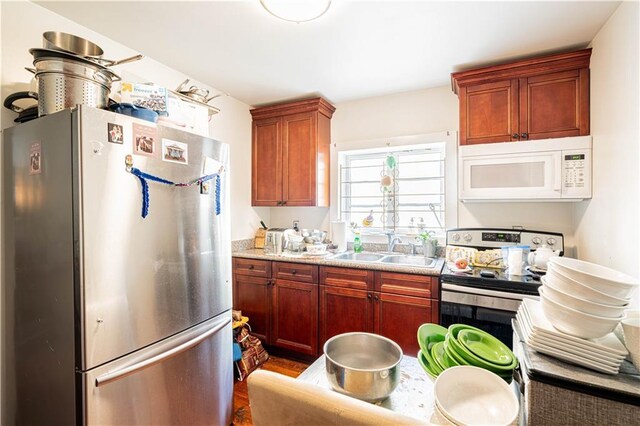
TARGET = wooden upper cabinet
(555,105)
(266,172)
(491,112)
(290,154)
(537,98)
(299,159)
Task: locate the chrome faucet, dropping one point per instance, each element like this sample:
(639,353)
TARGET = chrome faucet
(412,246)
(392,240)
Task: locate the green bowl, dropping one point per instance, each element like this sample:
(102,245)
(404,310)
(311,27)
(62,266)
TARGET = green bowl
(453,354)
(486,346)
(424,363)
(470,357)
(428,335)
(441,357)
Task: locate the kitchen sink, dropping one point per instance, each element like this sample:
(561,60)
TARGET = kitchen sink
(409,260)
(362,257)
(395,259)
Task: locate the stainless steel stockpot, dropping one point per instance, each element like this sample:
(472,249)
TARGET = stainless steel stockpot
(363,365)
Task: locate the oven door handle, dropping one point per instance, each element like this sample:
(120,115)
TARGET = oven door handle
(484,292)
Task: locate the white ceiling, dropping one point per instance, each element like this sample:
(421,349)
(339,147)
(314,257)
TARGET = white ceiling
(358,49)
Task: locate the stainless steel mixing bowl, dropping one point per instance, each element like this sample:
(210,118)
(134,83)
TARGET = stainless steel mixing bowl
(363,365)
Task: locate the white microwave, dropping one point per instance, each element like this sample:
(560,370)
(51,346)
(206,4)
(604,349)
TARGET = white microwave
(540,170)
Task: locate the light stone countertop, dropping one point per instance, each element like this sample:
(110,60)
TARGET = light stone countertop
(414,396)
(328,261)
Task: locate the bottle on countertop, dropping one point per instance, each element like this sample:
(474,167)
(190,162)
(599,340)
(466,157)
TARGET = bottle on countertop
(357,244)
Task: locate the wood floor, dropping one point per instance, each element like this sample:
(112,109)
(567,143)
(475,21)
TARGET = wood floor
(241,410)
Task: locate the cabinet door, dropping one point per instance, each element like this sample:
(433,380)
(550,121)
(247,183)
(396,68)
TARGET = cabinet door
(489,112)
(266,157)
(343,310)
(299,145)
(555,105)
(398,318)
(251,296)
(294,316)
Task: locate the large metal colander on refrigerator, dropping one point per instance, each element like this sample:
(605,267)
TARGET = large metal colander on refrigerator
(65,80)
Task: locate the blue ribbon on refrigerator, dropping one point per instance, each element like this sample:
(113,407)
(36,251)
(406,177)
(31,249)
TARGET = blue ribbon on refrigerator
(144,177)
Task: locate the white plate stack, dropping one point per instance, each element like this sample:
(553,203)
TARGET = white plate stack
(604,354)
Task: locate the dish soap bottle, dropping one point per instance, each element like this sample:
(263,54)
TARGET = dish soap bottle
(357,244)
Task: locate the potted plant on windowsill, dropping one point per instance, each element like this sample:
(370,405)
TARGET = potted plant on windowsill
(429,243)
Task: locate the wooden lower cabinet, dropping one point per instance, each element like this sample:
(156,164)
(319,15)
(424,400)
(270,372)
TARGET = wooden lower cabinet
(397,307)
(398,318)
(251,295)
(344,310)
(294,315)
(287,308)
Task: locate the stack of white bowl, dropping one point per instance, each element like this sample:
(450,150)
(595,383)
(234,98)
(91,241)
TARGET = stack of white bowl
(584,299)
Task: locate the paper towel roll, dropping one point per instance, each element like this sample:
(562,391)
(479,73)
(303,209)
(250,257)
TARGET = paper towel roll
(339,234)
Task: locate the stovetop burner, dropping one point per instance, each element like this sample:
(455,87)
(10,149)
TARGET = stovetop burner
(494,238)
(494,279)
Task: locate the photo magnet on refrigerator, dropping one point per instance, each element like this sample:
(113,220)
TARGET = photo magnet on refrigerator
(35,158)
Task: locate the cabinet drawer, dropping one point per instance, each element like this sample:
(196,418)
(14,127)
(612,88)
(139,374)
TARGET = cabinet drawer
(407,284)
(350,278)
(254,267)
(295,272)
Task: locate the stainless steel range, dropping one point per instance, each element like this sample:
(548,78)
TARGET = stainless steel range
(488,297)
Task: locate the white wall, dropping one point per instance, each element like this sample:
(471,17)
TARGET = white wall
(373,119)
(424,112)
(23,25)
(608,226)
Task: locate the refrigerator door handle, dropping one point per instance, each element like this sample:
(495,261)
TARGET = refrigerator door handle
(118,374)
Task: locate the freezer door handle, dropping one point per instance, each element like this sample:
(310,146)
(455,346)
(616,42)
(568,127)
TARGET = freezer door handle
(118,374)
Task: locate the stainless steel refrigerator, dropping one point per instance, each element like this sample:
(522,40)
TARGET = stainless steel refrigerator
(110,318)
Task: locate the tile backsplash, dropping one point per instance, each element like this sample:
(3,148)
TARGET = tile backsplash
(239,245)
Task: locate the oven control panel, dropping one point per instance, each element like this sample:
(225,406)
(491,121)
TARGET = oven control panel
(496,238)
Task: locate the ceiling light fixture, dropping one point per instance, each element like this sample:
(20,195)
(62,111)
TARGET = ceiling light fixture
(296,10)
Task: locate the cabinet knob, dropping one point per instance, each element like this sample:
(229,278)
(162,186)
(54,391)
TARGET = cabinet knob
(369,295)
(250,266)
(284,203)
(278,203)
(376,297)
(293,272)
(524,135)
(515,136)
